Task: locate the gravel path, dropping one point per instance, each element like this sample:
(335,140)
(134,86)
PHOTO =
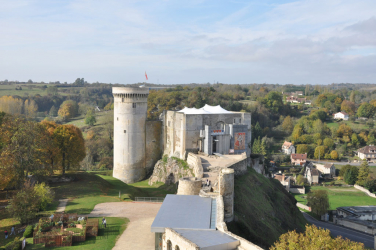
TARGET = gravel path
(61,207)
(141,216)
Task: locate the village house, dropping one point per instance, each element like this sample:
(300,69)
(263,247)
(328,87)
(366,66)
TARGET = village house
(327,170)
(341,116)
(367,153)
(298,159)
(294,99)
(307,102)
(288,148)
(284,180)
(312,175)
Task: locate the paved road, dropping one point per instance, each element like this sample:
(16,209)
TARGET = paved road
(341,163)
(141,216)
(335,230)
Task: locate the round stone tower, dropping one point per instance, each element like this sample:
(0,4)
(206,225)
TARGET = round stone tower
(189,186)
(130,106)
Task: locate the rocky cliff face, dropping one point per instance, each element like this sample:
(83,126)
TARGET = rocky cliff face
(170,170)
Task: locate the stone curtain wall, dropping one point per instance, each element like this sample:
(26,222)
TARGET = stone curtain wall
(240,167)
(365,191)
(303,206)
(189,186)
(354,225)
(154,144)
(195,162)
(177,240)
(297,190)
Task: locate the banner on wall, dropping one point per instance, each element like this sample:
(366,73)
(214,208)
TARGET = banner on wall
(239,141)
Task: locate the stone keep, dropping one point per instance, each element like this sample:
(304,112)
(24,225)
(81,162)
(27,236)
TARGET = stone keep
(130,107)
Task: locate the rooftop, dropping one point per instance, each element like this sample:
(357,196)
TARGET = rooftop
(299,156)
(367,149)
(183,212)
(209,239)
(207,109)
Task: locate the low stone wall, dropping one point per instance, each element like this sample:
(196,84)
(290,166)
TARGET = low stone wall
(240,167)
(177,240)
(303,206)
(221,226)
(365,191)
(354,225)
(189,186)
(194,161)
(296,190)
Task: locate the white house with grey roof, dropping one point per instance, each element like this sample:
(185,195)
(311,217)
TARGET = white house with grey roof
(367,153)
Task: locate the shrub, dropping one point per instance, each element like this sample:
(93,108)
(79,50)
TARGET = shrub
(28,231)
(13,245)
(45,194)
(165,158)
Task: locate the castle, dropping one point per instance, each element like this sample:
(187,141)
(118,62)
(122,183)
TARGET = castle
(138,143)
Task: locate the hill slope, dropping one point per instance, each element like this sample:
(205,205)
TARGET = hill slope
(263,210)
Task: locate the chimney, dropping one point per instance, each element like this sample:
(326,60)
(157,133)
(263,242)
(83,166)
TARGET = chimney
(283,177)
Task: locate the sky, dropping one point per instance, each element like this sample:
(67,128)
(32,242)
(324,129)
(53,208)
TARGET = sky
(195,41)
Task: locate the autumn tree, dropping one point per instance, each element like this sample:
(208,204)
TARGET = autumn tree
(71,144)
(302,149)
(320,152)
(288,125)
(334,155)
(11,105)
(30,108)
(23,150)
(314,238)
(348,107)
(318,200)
(68,110)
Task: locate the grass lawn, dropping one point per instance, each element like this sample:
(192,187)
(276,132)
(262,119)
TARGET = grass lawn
(354,125)
(105,240)
(341,196)
(90,189)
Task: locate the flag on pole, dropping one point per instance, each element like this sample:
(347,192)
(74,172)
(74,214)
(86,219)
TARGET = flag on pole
(146,76)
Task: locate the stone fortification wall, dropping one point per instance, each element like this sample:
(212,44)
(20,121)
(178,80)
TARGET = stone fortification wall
(355,225)
(194,161)
(296,190)
(189,186)
(177,240)
(170,172)
(226,189)
(221,226)
(303,206)
(240,167)
(365,191)
(259,168)
(154,144)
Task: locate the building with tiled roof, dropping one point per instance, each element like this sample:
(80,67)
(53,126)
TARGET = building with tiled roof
(298,159)
(367,152)
(284,180)
(288,148)
(327,169)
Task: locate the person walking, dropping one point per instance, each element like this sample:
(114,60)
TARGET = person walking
(12,231)
(105,223)
(6,234)
(103,219)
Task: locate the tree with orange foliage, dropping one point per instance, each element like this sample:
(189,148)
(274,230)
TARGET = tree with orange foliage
(53,150)
(71,144)
(348,107)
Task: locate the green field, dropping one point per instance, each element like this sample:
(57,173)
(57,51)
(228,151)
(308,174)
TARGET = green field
(105,240)
(341,196)
(352,125)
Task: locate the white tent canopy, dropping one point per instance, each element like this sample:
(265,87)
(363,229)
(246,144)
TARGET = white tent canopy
(207,109)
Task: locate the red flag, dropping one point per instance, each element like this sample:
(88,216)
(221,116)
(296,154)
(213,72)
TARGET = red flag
(146,76)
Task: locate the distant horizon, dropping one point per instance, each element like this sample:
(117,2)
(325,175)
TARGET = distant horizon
(234,42)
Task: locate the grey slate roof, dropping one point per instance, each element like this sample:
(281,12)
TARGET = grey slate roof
(208,240)
(183,212)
